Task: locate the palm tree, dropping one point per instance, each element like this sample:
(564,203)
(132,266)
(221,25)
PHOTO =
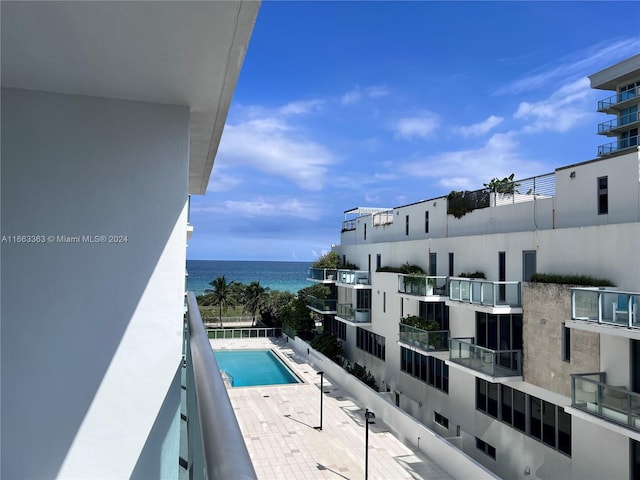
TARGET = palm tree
(254,295)
(222,294)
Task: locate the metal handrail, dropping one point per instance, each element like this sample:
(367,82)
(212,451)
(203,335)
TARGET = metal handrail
(225,453)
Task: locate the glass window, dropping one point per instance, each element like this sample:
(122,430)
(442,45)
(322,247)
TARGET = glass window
(492,397)
(535,408)
(441,420)
(507,404)
(406,225)
(423,368)
(426,221)
(603,195)
(481,395)
(549,424)
(564,431)
(519,411)
(566,343)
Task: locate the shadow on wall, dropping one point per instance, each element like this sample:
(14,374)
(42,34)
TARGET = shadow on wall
(73,166)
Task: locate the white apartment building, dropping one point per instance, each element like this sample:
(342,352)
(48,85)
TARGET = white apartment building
(112,113)
(533,380)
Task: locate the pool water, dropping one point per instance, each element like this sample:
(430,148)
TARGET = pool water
(249,368)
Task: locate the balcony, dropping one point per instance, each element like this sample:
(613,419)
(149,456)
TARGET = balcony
(213,445)
(495,363)
(321,305)
(499,295)
(427,340)
(615,125)
(618,101)
(350,314)
(324,275)
(602,306)
(590,393)
(422,286)
(613,147)
(356,278)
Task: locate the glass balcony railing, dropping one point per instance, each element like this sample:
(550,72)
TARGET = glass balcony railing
(609,102)
(429,340)
(623,144)
(590,393)
(497,363)
(621,121)
(600,305)
(351,314)
(354,277)
(484,292)
(321,304)
(321,274)
(422,285)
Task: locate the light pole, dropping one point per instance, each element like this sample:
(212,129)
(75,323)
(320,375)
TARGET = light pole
(321,373)
(368,415)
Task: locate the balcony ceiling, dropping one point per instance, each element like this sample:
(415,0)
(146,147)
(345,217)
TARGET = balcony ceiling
(178,53)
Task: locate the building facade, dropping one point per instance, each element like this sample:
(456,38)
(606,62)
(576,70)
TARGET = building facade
(533,380)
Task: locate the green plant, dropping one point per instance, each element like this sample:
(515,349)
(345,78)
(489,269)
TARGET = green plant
(458,204)
(329,346)
(582,280)
(328,260)
(349,266)
(476,274)
(505,185)
(362,374)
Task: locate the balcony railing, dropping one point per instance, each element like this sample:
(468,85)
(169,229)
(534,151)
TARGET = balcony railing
(623,144)
(321,304)
(422,285)
(260,332)
(354,315)
(497,363)
(609,102)
(216,448)
(484,292)
(348,225)
(321,274)
(600,305)
(590,393)
(354,277)
(428,340)
(620,121)
(382,218)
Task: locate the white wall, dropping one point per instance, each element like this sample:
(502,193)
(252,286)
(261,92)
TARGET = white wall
(91,332)
(598,452)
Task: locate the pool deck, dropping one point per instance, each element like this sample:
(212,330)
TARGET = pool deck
(278,423)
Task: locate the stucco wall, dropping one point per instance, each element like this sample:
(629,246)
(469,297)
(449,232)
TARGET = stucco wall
(546,306)
(91,332)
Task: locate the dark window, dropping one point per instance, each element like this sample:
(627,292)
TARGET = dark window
(431,370)
(378,261)
(603,195)
(426,222)
(406,225)
(384,302)
(535,407)
(549,424)
(435,312)
(441,420)
(507,404)
(365,231)
(485,448)
(433,264)
(519,410)
(371,343)
(451,264)
(566,343)
(564,431)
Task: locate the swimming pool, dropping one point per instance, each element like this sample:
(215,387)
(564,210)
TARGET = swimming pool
(250,368)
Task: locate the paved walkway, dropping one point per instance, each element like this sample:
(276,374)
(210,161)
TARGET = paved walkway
(278,426)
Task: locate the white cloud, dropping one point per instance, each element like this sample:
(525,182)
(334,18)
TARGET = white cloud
(287,207)
(469,169)
(302,107)
(272,146)
(480,128)
(565,108)
(221,182)
(422,126)
(357,94)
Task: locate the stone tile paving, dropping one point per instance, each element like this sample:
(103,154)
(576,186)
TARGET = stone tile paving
(278,426)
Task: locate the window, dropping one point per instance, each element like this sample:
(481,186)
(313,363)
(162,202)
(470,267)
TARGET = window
(431,370)
(566,343)
(433,264)
(378,261)
(500,332)
(485,448)
(542,420)
(406,225)
(441,420)
(384,302)
(426,221)
(365,231)
(628,115)
(603,195)
(370,342)
(337,328)
(435,312)
(451,264)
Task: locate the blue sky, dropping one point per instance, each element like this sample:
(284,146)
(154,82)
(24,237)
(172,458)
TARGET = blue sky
(381,104)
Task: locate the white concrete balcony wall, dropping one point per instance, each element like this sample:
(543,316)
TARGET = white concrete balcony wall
(91,332)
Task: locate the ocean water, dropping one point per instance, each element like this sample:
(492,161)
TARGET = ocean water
(284,276)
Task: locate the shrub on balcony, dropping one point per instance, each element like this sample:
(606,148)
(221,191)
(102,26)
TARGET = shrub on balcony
(476,274)
(406,268)
(328,260)
(349,266)
(582,280)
